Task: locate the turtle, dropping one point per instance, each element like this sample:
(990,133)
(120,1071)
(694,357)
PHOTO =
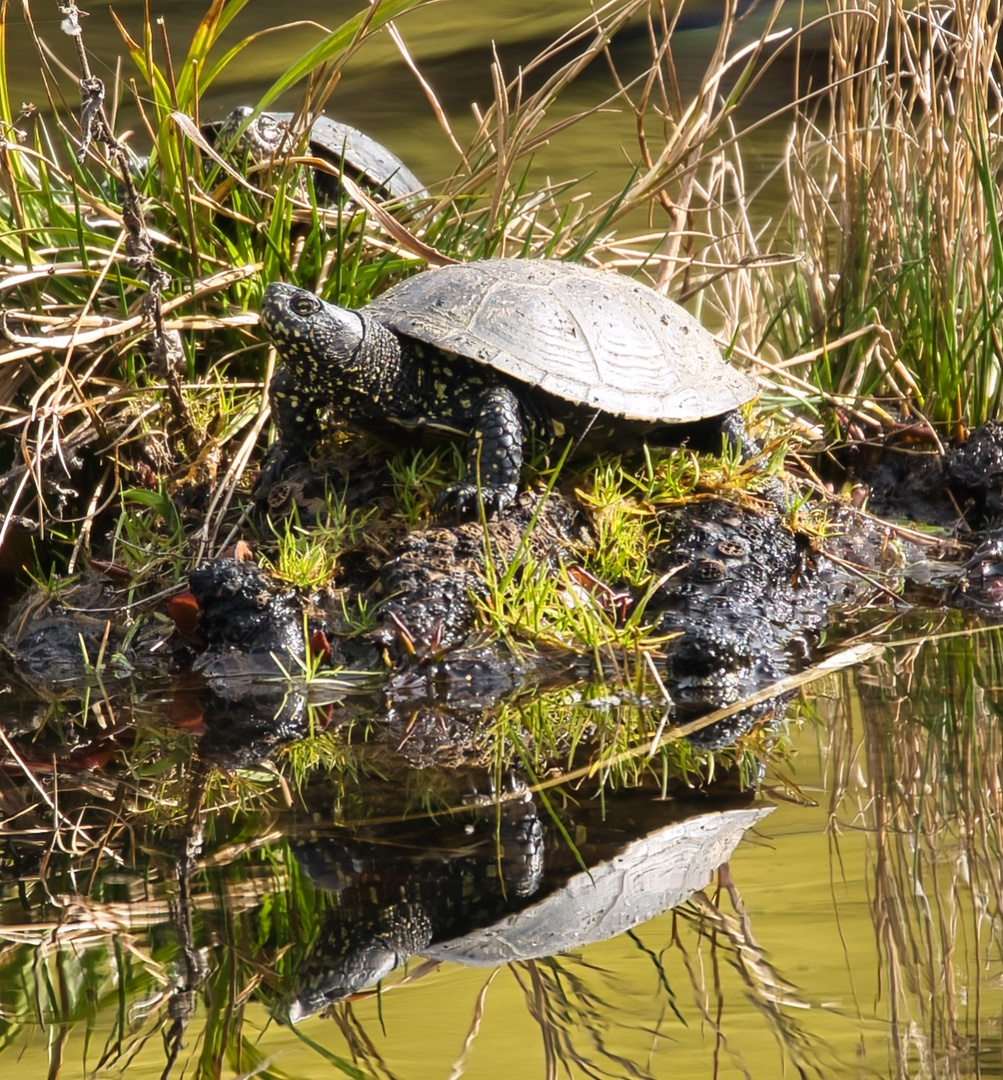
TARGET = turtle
(443,902)
(497,351)
(271,135)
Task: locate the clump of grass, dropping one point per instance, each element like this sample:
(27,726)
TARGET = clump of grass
(530,603)
(419,477)
(895,212)
(620,505)
(309,558)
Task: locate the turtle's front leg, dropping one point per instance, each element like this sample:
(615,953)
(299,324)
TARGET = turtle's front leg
(297,423)
(494,456)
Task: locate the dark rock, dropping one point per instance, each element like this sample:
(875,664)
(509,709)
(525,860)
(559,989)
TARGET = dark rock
(77,631)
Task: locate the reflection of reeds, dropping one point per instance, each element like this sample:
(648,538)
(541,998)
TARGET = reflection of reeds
(923,726)
(585,1025)
(731,939)
(147,965)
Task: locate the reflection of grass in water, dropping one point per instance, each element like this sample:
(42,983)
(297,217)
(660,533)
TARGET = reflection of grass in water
(155,802)
(185,971)
(165,973)
(189,971)
(924,726)
(169,804)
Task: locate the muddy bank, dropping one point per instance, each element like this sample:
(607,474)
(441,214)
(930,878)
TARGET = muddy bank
(739,589)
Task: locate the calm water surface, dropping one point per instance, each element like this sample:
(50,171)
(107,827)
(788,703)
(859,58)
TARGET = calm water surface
(452,44)
(854,932)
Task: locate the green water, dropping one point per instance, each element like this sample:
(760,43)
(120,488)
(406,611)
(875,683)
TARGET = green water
(855,932)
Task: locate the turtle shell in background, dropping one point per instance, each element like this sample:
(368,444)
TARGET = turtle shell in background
(370,163)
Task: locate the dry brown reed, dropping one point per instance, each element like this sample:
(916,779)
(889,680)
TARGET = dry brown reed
(891,179)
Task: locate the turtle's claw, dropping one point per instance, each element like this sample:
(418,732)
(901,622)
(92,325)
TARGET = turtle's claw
(276,461)
(465,498)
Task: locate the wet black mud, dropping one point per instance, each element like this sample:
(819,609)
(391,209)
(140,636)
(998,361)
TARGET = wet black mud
(740,601)
(960,490)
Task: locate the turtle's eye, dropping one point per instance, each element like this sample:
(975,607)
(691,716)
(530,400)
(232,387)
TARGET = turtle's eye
(305,305)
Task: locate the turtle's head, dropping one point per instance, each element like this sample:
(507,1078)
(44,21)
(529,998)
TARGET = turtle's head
(342,355)
(317,340)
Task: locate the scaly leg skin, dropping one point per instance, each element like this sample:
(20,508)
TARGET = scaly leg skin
(494,457)
(297,425)
(738,438)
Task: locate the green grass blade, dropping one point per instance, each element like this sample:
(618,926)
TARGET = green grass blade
(347,36)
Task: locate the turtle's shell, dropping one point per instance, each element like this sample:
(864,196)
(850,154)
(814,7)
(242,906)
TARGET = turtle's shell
(588,336)
(271,134)
(369,158)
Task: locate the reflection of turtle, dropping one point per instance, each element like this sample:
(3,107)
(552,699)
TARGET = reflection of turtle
(648,876)
(386,903)
(391,899)
(270,135)
(497,351)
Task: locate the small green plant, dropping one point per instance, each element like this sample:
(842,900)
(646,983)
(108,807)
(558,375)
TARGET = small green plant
(563,609)
(621,519)
(149,538)
(309,558)
(359,613)
(419,477)
(51,583)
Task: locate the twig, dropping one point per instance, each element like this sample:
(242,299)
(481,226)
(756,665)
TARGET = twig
(58,814)
(139,247)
